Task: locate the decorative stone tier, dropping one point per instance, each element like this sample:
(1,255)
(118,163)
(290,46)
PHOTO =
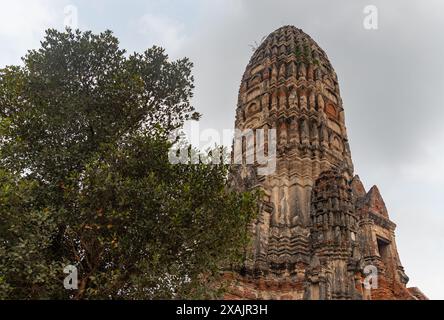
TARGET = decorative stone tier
(318,228)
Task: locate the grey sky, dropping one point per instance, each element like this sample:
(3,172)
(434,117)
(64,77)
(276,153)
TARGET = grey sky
(391,81)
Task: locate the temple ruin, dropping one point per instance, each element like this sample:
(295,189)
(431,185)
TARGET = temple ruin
(319,233)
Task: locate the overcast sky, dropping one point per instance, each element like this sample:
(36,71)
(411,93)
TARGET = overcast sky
(391,80)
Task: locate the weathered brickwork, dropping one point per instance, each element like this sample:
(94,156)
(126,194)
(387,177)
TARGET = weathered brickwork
(318,228)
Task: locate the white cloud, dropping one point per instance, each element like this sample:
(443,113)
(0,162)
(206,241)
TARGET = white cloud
(428,166)
(22,25)
(162,31)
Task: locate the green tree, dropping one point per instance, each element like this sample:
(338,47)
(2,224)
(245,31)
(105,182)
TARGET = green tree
(27,228)
(85,178)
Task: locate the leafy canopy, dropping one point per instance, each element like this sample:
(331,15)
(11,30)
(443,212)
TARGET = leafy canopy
(85,178)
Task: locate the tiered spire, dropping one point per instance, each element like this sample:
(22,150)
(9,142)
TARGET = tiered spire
(318,227)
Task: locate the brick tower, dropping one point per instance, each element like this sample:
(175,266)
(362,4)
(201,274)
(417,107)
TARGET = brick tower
(318,229)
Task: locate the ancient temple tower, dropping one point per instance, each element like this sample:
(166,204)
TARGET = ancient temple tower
(318,230)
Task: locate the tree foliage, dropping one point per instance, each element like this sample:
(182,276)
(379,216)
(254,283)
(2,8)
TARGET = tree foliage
(85,178)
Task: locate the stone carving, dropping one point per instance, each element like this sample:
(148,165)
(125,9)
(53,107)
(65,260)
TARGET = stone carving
(303,100)
(318,229)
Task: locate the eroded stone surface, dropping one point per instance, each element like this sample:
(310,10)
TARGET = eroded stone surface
(318,228)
